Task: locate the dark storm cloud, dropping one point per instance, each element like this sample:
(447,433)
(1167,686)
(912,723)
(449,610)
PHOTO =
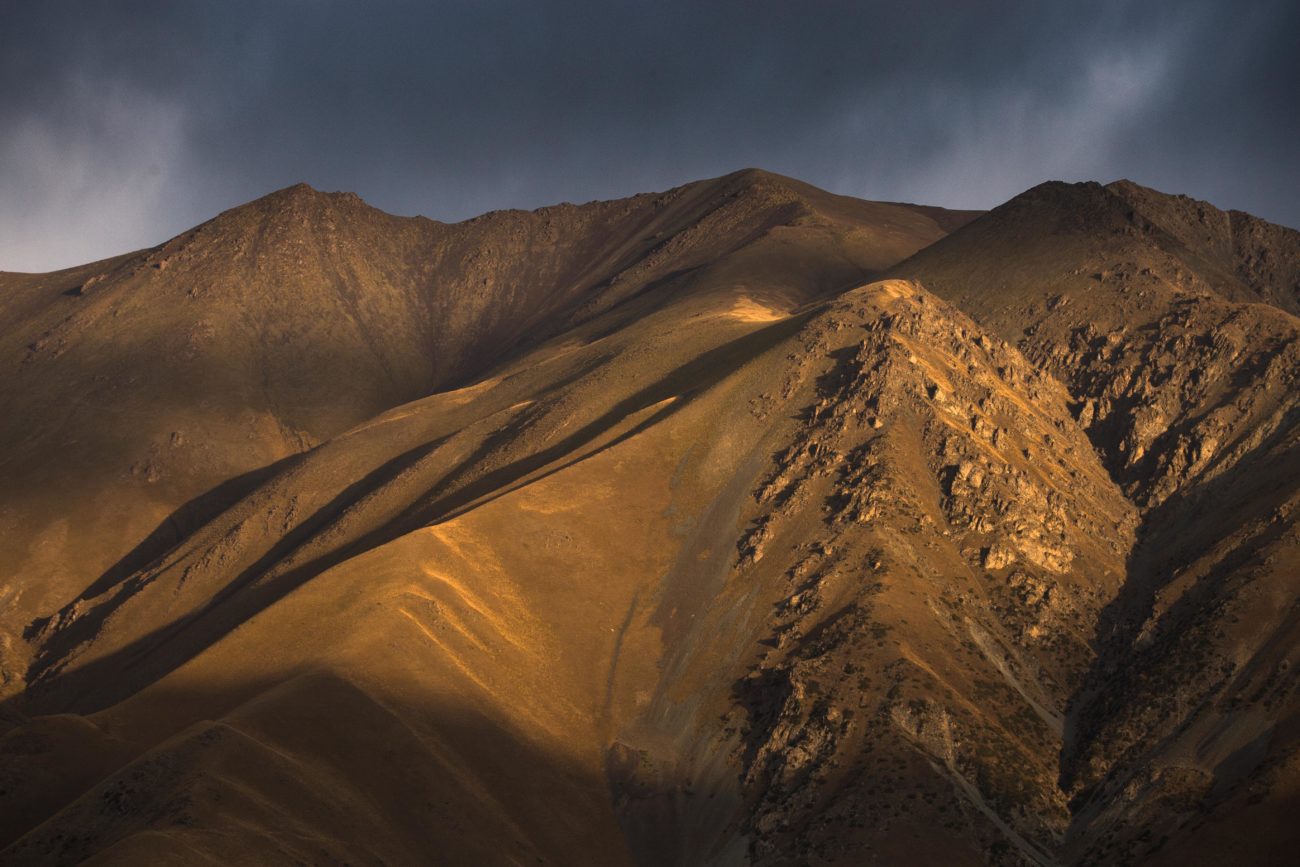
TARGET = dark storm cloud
(124,122)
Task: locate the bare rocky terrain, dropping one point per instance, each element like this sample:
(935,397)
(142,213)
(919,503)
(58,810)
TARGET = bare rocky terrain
(738,524)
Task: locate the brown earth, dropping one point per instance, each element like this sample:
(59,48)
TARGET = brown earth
(717,526)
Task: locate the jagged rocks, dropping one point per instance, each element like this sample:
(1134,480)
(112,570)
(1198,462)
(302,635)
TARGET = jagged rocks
(973,450)
(996,557)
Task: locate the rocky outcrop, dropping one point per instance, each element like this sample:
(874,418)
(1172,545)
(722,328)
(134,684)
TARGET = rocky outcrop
(946,535)
(1178,347)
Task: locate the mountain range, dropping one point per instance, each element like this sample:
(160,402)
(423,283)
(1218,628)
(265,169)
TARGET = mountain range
(742,523)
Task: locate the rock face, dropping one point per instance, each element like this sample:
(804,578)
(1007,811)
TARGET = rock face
(940,573)
(704,527)
(1179,350)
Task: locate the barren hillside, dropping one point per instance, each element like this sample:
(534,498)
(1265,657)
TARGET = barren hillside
(738,524)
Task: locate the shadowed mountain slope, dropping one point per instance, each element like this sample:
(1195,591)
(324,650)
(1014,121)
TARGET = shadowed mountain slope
(148,392)
(1171,324)
(660,532)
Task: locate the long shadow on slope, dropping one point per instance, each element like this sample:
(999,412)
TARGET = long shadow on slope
(85,627)
(110,679)
(686,383)
(310,768)
(633,298)
(183,522)
(77,623)
(1199,514)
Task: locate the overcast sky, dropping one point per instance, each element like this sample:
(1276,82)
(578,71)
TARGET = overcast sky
(123,123)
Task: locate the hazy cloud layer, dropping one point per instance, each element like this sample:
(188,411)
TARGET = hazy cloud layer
(122,123)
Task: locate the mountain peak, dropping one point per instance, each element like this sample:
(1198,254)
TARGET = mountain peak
(305,192)
(753,176)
